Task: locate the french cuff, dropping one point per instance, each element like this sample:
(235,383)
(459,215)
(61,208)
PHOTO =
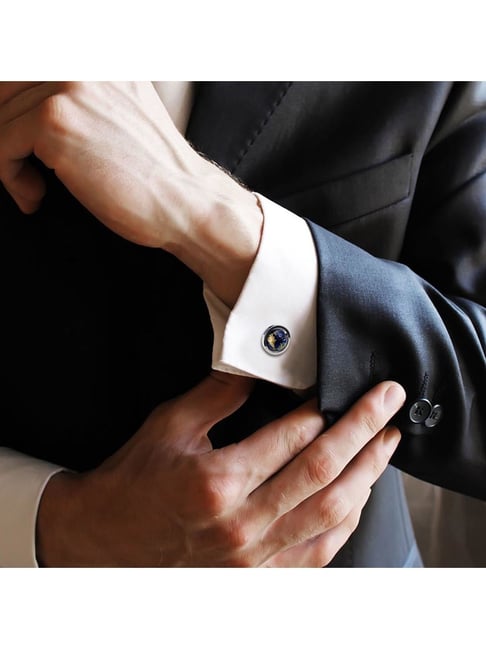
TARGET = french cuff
(271,332)
(22,482)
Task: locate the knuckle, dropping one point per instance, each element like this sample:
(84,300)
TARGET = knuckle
(56,111)
(333,511)
(322,469)
(52,112)
(238,537)
(278,503)
(214,496)
(365,422)
(218,490)
(299,434)
(234,538)
(370,419)
(296,431)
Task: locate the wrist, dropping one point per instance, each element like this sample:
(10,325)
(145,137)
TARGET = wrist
(220,237)
(56,520)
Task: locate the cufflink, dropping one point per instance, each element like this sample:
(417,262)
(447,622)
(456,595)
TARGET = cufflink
(275,340)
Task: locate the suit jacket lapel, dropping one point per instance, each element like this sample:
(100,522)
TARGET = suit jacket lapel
(227,118)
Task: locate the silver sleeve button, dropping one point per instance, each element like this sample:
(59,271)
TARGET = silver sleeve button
(434,417)
(420,411)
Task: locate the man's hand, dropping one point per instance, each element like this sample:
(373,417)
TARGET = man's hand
(114,146)
(285,496)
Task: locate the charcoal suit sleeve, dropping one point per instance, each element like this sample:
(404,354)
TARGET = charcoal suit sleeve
(422,320)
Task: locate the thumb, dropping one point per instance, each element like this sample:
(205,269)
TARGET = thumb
(193,414)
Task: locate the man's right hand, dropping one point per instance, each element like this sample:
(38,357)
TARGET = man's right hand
(285,496)
(114,146)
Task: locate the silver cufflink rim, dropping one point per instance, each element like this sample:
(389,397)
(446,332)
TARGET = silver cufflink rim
(264,337)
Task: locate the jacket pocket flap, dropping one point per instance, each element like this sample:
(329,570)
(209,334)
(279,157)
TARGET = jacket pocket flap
(354,195)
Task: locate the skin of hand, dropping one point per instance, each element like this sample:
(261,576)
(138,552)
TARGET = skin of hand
(115,148)
(285,496)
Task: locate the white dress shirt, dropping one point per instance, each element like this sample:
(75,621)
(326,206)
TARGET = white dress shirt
(280,290)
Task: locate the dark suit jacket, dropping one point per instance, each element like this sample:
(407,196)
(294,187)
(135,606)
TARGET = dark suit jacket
(97,331)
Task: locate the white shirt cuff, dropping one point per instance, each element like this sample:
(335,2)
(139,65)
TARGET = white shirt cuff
(280,290)
(22,482)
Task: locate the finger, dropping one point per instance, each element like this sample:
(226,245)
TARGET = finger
(28,97)
(25,184)
(329,507)
(21,131)
(319,551)
(21,180)
(11,89)
(271,447)
(323,460)
(194,413)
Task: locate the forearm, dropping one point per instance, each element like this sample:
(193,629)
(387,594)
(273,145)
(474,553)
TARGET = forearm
(376,319)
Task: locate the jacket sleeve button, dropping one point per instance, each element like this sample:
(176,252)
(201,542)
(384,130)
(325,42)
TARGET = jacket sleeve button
(434,417)
(420,411)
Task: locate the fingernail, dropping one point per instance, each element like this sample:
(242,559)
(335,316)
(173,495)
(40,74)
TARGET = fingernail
(391,437)
(393,398)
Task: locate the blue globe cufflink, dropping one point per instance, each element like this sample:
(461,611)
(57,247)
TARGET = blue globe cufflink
(276,340)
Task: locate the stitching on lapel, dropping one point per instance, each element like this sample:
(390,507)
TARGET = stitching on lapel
(251,141)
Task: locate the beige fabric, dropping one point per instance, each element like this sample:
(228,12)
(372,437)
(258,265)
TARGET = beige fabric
(177,97)
(22,482)
(450,527)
